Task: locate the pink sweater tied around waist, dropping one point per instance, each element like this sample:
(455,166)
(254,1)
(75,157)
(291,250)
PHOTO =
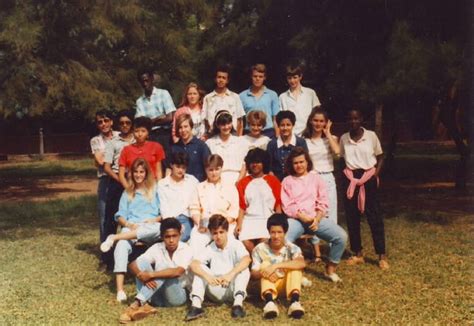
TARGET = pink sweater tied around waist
(360,183)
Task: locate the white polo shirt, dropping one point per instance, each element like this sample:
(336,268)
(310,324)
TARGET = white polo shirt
(158,255)
(363,153)
(222,261)
(175,197)
(214,102)
(321,154)
(300,106)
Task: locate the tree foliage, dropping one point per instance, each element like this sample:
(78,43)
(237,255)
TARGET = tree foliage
(62,57)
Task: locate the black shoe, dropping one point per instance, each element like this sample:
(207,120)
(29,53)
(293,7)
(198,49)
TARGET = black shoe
(237,312)
(194,313)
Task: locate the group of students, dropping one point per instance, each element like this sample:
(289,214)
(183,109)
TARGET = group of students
(220,202)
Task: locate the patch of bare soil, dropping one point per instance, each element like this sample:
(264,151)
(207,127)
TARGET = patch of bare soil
(46,188)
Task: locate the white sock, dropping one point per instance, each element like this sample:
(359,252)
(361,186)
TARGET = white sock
(238,300)
(196,302)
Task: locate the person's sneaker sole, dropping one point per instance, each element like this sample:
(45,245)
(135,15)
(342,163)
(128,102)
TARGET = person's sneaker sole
(142,314)
(195,317)
(297,314)
(270,315)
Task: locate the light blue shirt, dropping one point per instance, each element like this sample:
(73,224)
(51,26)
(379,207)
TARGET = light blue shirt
(159,103)
(268,102)
(139,208)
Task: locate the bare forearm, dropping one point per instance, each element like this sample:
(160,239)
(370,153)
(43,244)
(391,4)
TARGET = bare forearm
(295,264)
(197,269)
(243,264)
(110,172)
(378,168)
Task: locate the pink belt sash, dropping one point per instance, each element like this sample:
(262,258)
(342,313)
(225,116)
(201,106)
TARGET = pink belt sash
(358,182)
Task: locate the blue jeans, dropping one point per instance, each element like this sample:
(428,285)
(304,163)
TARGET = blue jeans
(327,230)
(332,196)
(186,223)
(101,202)
(168,293)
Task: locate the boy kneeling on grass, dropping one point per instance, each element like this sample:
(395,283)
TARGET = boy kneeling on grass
(279,264)
(220,271)
(163,286)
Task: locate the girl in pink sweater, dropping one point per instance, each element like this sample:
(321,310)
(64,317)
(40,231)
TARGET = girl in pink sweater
(304,199)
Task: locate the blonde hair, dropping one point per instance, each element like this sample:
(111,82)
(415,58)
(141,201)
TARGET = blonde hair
(258,117)
(149,182)
(259,67)
(184,98)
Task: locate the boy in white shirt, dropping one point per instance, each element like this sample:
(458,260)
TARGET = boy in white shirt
(221,98)
(298,99)
(176,192)
(163,286)
(221,271)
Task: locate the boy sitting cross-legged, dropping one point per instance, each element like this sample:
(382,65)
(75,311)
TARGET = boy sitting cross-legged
(164,285)
(220,271)
(278,265)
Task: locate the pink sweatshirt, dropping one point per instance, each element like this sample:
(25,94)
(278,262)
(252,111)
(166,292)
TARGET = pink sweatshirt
(307,194)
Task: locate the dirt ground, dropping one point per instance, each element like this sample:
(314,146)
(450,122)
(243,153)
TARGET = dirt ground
(47,188)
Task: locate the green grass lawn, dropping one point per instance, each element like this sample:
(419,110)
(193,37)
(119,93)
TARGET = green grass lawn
(50,255)
(84,166)
(49,261)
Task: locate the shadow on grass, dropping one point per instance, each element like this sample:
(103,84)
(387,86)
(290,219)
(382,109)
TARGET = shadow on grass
(56,217)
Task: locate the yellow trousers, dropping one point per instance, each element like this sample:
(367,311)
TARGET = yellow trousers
(288,284)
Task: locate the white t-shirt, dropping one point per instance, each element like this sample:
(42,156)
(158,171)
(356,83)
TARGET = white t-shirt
(158,255)
(224,260)
(260,142)
(232,151)
(300,106)
(363,153)
(214,102)
(175,197)
(321,154)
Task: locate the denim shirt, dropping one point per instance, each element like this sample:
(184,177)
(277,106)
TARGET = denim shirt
(198,152)
(139,208)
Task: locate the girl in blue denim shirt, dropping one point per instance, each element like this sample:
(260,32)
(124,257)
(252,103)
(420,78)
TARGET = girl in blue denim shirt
(139,216)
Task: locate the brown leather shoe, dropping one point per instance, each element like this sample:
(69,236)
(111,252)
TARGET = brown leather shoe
(383,264)
(355,260)
(135,312)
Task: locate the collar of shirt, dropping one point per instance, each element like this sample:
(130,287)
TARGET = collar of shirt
(249,91)
(153,93)
(227,245)
(191,142)
(232,139)
(292,141)
(165,251)
(363,138)
(167,181)
(226,93)
(289,94)
(276,253)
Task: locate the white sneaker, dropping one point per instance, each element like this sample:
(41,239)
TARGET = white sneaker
(296,310)
(121,296)
(305,282)
(270,310)
(107,244)
(334,277)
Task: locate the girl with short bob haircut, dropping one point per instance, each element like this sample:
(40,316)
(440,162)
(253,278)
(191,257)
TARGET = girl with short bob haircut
(259,198)
(139,217)
(304,200)
(231,148)
(256,121)
(213,196)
